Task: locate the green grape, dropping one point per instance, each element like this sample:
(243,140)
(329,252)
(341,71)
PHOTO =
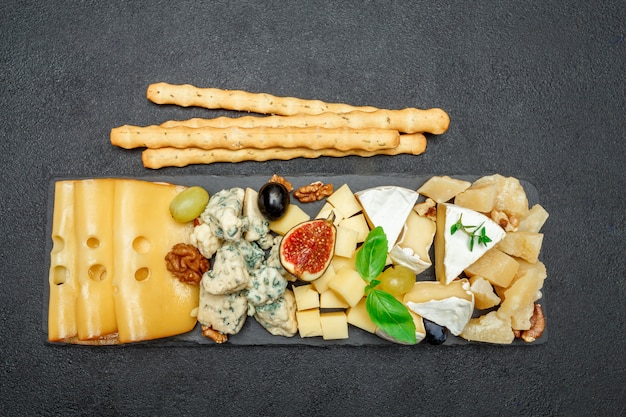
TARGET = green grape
(397,280)
(189,204)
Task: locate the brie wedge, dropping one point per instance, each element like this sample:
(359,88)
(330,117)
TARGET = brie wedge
(453,251)
(387,207)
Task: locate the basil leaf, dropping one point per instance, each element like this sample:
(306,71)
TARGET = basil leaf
(391,316)
(372,256)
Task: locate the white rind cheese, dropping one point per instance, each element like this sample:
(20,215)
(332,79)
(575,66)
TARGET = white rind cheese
(388,207)
(453,312)
(452,251)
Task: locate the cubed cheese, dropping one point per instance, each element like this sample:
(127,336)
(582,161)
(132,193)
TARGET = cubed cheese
(348,285)
(334,325)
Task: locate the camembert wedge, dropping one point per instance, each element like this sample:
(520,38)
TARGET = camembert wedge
(454,251)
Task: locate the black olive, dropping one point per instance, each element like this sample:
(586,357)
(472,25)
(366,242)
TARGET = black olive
(273,200)
(435,334)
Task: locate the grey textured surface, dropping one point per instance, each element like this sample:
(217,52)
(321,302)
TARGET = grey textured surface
(535,90)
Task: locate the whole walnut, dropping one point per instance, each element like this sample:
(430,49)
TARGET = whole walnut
(186,263)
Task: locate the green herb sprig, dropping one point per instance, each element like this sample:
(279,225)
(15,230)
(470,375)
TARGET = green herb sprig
(385,311)
(475,233)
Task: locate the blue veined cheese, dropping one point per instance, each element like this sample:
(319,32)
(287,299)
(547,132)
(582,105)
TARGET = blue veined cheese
(273,259)
(203,238)
(267,285)
(258,225)
(224,214)
(229,273)
(224,313)
(279,317)
(253,255)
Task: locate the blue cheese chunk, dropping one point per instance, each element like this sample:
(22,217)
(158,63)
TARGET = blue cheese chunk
(258,226)
(224,313)
(267,285)
(224,214)
(279,317)
(229,273)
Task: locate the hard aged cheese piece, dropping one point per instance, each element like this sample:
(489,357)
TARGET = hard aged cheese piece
(443,188)
(309,324)
(522,293)
(330,299)
(489,328)
(321,283)
(149,303)
(452,251)
(534,221)
(412,248)
(388,207)
(62,277)
(334,325)
(495,266)
(525,245)
(449,305)
(484,294)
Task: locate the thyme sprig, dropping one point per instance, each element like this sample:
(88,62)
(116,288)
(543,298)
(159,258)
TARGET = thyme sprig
(475,233)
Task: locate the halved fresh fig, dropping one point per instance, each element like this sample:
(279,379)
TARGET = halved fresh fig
(307,248)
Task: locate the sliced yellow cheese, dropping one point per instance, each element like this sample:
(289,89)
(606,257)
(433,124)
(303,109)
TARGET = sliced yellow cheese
(149,302)
(348,285)
(358,316)
(293,216)
(62,278)
(95,307)
(306,297)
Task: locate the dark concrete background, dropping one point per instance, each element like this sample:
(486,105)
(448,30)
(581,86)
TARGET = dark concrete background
(535,90)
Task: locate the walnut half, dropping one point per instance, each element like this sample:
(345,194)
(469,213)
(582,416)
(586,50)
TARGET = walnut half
(537,326)
(186,263)
(313,192)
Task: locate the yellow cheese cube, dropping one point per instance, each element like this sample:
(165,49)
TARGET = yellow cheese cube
(346,241)
(327,210)
(321,284)
(329,299)
(294,215)
(344,201)
(309,323)
(358,223)
(306,297)
(348,285)
(334,325)
(358,316)
(339,262)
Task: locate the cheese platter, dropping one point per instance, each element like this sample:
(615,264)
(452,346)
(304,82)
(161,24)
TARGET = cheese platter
(391,201)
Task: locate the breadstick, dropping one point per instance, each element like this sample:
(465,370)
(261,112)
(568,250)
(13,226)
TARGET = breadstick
(408,120)
(413,144)
(214,98)
(262,137)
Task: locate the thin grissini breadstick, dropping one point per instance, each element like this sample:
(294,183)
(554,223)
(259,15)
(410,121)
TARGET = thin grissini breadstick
(262,138)
(409,120)
(187,95)
(412,144)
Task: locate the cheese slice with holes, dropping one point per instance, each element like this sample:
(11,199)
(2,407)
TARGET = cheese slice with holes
(108,280)
(62,276)
(149,302)
(95,309)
